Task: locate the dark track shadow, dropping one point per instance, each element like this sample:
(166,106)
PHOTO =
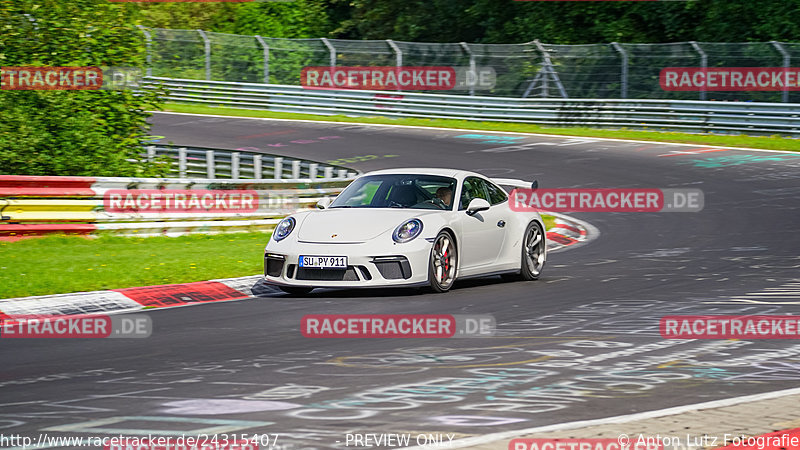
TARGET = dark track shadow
(261,289)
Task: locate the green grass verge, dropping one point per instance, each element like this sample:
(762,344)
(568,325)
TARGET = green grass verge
(756,142)
(63,264)
(549,221)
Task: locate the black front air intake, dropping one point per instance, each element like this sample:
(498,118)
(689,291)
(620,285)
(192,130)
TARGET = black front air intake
(273,265)
(393,267)
(348,274)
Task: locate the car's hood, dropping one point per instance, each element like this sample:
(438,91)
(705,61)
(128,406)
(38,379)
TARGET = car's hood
(350,225)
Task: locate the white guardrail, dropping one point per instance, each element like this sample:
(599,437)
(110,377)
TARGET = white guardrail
(278,186)
(672,115)
(214,163)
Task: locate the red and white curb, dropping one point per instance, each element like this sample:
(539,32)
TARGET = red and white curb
(567,232)
(131,299)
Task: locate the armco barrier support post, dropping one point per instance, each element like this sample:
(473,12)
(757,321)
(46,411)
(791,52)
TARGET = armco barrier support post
(472,66)
(312,170)
(328,172)
(182,162)
(278,171)
(342,173)
(544,71)
(151,153)
(787,61)
(548,71)
(207,52)
(703,64)
(332,51)
(266,57)
(257,167)
(295,170)
(210,165)
(149,50)
(235,165)
(623,90)
(398,57)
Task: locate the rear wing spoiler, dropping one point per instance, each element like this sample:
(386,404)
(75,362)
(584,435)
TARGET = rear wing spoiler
(516,183)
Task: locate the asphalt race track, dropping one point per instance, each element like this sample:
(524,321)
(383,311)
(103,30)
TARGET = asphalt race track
(571,346)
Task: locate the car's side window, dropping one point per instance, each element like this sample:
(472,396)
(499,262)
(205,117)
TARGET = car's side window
(440,190)
(496,195)
(472,188)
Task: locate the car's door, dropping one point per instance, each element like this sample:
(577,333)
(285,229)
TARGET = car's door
(482,233)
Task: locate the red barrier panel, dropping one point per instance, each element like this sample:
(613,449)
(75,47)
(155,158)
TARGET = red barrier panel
(33,186)
(13,232)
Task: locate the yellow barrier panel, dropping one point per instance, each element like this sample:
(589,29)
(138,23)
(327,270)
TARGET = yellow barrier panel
(51,210)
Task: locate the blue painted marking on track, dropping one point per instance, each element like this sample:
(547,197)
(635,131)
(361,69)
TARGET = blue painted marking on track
(491,139)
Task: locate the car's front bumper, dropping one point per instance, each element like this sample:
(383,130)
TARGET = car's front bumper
(368,264)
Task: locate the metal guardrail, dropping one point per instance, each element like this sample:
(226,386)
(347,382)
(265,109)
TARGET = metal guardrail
(529,69)
(34,205)
(212,163)
(669,115)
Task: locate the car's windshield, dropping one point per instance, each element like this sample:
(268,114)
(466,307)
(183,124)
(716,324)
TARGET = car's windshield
(398,191)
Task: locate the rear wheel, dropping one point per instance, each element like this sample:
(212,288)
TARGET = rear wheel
(296,290)
(443,262)
(533,252)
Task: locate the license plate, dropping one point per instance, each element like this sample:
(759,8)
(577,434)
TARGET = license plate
(324,262)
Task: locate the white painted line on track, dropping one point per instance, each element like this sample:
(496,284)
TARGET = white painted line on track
(493,437)
(564,136)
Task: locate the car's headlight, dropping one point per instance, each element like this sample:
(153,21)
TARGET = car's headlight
(283,229)
(407,231)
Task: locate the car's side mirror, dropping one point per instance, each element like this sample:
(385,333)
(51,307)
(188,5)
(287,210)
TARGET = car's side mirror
(324,202)
(477,205)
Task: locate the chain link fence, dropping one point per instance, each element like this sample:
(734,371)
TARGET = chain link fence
(528,70)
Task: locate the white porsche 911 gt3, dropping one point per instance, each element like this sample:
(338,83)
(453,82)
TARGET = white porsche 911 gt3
(407,227)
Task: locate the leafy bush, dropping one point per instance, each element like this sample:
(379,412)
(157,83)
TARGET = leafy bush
(97,133)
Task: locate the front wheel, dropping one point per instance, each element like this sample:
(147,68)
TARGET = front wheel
(443,262)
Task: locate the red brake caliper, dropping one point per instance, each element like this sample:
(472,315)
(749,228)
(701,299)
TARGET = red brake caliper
(446,265)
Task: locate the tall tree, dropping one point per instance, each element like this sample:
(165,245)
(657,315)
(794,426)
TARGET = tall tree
(565,22)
